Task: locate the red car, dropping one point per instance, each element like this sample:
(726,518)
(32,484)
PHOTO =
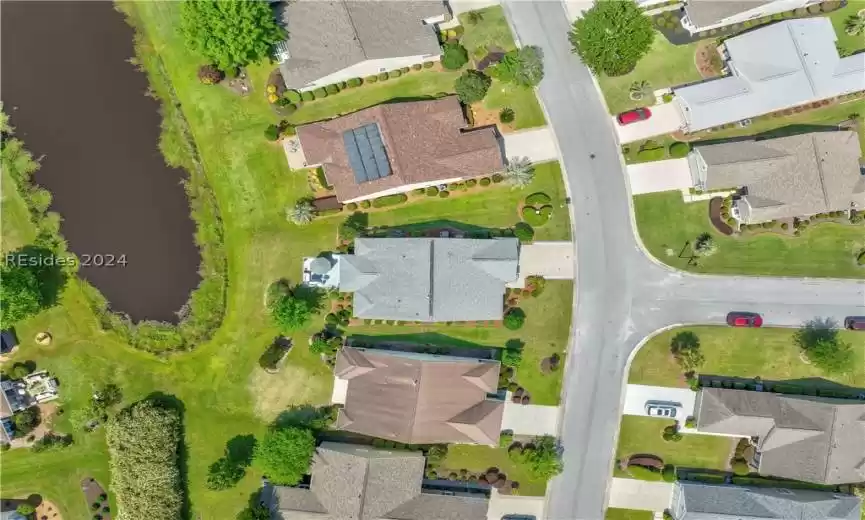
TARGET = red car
(634,116)
(744,319)
(855,323)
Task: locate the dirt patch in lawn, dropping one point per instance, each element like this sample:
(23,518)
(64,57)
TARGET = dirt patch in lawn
(483,116)
(96,497)
(707,59)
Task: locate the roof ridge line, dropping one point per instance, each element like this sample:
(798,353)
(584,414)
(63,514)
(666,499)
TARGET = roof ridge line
(354,27)
(800,58)
(820,172)
(829,449)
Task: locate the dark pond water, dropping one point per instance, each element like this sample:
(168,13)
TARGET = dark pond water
(75,100)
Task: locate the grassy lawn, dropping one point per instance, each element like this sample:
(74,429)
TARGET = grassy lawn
(642,435)
(493,32)
(546,331)
(768,353)
(631,151)
(614,513)
(409,87)
(225,393)
(492,207)
(665,65)
(839,17)
(665,223)
(478,459)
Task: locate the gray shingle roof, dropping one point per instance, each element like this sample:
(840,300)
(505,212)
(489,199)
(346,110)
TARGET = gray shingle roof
(696,501)
(804,438)
(789,176)
(782,65)
(419,398)
(326,36)
(429,279)
(351,482)
(704,13)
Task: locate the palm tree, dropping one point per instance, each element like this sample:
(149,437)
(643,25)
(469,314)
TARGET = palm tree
(519,172)
(302,213)
(640,90)
(855,25)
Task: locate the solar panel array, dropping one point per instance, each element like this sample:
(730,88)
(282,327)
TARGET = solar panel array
(366,153)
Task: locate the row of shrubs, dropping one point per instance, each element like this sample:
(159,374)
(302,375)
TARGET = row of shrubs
(430,191)
(291,99)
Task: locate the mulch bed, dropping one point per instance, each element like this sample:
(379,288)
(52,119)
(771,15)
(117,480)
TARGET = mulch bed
(707,59)
(715,216)
(92,494)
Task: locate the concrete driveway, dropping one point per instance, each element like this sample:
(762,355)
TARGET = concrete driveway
(530,419)
(652,177)
(627,493)
(501,505)
(538,144)
(665,119)
(554,260)
(637,395)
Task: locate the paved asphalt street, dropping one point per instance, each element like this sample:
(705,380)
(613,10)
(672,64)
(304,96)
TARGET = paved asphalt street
(622,295)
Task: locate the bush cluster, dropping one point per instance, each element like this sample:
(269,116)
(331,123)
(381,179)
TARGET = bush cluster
(524,232)
(143,440)
(454,56)
(389,200)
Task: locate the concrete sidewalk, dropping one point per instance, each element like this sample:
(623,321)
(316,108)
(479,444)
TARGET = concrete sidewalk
(627,493)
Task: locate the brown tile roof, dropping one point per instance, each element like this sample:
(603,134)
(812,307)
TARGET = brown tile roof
(419,398)
(352,482)
(423,139)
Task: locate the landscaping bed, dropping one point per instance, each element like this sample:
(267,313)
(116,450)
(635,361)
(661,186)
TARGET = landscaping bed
(669,229)
(479,459)
(769,353)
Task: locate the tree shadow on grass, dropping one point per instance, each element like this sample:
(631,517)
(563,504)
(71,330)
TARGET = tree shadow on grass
(425,343)
(170,402)
(240,448)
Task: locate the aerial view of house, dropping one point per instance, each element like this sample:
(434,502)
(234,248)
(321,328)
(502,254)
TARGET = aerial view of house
(772,68)
(798,437)
(705,15)
(429,279)
(338,40)
(785,177)
(417,398)
(697,501)
(350,481)
(398,147)
(430,260)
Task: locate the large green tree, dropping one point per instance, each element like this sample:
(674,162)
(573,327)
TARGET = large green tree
(228,33)
(20,295)
(472,86)
(821,344)
(524,66)
(284,454)
(291,312)
(612,36)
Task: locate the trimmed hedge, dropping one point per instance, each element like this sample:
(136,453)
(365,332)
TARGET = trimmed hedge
(416,66)
(644,473)
(370,79)
(537,216)
(293,96)
(143,442)
(383,76)
(485,181)
(444,194)
(307,96)
(428,64)
(538,199)
(678,150)
(432,191)
(498,177)
(651,154)
(354,82)
(332,89)
(320,93)
(394,74)
(389,200)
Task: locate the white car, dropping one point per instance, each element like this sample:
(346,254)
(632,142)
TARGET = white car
(662,409)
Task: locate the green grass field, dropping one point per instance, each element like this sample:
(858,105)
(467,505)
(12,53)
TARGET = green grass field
(614,513)
(768,353)
(479,459)
(224,392)
(642,435)
(493,32)
(852,43)
(666,223)
(666,65)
